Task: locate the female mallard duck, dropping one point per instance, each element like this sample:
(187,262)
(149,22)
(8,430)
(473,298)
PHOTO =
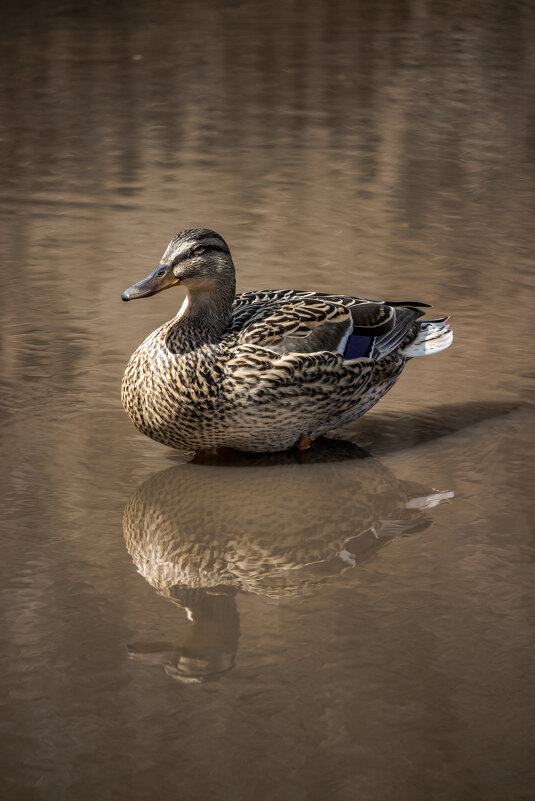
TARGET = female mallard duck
(262,371)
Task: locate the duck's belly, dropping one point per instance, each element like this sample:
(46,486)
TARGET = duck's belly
(176,404)
(279,427)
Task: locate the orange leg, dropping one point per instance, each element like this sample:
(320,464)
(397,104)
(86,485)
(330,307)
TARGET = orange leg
(303,443)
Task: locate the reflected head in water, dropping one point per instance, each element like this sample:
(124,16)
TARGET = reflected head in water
(267,525)
(208,649)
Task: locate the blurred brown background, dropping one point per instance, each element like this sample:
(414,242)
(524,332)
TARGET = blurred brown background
(385,149)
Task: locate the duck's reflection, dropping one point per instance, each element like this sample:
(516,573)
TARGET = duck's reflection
(273,525)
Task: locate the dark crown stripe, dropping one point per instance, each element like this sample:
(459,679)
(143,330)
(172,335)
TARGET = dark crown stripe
(210,235)
(196,236)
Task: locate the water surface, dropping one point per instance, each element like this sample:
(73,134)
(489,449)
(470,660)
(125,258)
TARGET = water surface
(356,623)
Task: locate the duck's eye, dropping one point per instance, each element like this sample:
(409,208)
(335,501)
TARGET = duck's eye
(198,251)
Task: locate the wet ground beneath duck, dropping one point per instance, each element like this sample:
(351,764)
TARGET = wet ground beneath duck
(351,622)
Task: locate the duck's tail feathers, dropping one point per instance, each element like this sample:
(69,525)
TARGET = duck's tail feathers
(433,336)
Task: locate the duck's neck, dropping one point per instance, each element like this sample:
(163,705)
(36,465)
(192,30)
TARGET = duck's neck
(204,316)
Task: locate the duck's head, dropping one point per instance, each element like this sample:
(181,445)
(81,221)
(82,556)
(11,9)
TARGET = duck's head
(198,259)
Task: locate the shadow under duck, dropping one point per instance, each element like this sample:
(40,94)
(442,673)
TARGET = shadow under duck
(266,370)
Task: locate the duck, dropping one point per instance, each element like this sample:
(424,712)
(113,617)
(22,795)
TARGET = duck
(266,370)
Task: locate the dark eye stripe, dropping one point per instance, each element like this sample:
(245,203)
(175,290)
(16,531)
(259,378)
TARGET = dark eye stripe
(191,252)
(217,247)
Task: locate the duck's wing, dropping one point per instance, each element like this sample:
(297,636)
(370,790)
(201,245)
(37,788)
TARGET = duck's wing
(296,345)
(378,327)
(299,325)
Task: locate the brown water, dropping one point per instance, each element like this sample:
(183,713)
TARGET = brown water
(244,633)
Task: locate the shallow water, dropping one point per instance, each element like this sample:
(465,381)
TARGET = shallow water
(353,623)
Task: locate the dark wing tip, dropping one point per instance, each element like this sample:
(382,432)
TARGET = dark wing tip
(410,303)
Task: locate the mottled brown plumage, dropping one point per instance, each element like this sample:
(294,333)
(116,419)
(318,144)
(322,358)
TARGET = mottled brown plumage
(260,370)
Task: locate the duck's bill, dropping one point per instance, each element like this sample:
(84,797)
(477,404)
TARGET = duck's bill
(162,278)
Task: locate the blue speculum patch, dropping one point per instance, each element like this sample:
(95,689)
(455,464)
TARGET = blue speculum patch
(358,346)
